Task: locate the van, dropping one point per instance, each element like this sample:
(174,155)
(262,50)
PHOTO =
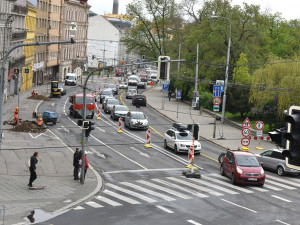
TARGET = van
(71,79)
(153,77)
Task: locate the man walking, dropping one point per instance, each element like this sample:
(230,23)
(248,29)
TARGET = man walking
(32,168)
(76,158)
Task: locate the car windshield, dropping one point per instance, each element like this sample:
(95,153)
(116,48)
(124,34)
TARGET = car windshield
(246,161)
(112,101)
(107,92)
(132,91)
(138,116)
(88,100)
(70,78)
(121,108)
(112,86)
(124,83)
(184,136)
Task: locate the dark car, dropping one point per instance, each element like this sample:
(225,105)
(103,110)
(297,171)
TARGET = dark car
(62,89)
(242,167)
(49,116)
(118,111)
(114,88)
(106,92)
(139,100)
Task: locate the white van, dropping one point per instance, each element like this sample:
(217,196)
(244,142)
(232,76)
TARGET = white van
(71,79)
(153,77)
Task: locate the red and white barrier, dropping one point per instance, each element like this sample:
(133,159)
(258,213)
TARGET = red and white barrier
(191,157)
(148,139)
(99,90)
(120,130)
(98,113)
(262,138)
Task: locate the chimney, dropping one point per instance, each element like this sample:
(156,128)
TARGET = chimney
(116,7)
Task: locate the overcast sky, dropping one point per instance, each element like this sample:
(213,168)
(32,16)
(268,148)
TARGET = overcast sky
(290,9)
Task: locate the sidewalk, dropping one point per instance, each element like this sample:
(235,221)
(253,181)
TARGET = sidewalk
(227,136)
(54,169)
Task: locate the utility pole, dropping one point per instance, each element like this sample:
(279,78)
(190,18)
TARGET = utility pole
(197,69)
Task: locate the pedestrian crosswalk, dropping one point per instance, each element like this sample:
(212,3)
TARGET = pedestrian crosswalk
(174,188)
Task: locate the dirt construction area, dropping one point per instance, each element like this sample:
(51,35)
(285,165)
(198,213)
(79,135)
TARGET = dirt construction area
(39,97)
(26,126)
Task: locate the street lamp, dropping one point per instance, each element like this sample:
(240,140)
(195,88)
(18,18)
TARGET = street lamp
(227,66)
(179,48)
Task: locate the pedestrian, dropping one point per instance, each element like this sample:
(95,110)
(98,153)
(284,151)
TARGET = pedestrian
(76,158)
(169,94)
(39,120)
(16,116)
(32,168)
(86,164)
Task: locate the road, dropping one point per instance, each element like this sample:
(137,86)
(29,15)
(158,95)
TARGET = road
(146,186)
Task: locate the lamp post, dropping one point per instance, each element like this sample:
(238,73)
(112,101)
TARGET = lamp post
(179,47)
(227,67)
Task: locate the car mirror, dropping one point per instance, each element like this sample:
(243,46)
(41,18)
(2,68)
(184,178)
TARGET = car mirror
(261,163)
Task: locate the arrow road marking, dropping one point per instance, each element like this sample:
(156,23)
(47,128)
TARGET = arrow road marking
(63,128)
(98,154)
(141,153)
(100,129)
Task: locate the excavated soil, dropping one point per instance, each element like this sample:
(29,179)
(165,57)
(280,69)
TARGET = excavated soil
(28,126)
(39,97)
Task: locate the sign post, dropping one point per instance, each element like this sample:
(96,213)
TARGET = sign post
(178,96)
(259,125)
(246,132)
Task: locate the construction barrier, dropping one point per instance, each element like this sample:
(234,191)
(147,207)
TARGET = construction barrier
(98,113)
(191,156)
(120,130)
(148,139)
(261,138)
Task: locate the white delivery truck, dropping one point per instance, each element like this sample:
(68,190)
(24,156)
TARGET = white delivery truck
(71,79)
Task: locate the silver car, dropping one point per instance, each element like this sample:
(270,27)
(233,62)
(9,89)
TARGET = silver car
(136,120)
(130,93)
(109,103)
(273,160)
(118,111)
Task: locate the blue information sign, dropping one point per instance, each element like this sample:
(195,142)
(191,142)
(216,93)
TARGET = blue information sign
(217,91)
(165,87)
(178,94)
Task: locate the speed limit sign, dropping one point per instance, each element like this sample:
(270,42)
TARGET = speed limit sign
(245,141)
(246,132)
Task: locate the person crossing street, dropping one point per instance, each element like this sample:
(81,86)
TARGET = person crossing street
(32,168)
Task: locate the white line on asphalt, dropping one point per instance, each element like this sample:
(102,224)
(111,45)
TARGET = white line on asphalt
(282,222)
(100,129)
(97,153)
(193,222)
(78,208)
(283,199)
(121,197)
(272,187)
(135,171)
(285,181)
(280,185)
(94,204)
(108,201)
(141,153)
(238,205)
(261,189)
(164,209)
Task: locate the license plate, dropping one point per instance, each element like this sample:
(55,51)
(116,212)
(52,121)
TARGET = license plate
(254,179)
(140,99)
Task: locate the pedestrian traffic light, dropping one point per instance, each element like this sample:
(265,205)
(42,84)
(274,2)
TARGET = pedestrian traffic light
(277,137)
(16,71)
(292,152)
(79,123)
(89,128)
(163,68)
(143,57)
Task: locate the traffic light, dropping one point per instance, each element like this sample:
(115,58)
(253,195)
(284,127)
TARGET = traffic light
(163,68)
(277,137)
(195,129)
(89,128)
(292,152)
(143,57)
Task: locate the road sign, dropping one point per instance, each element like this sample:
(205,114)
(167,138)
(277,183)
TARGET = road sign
(245,141)
(259,125)
(259,133)
(217,91)
(246,123)
(217,101)
(246,132)
(216,108)
(178,94)
(165,87)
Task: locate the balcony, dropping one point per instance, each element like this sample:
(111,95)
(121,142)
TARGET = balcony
(18,36)
(18,9)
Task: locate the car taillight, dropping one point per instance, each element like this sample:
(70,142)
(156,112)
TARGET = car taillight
(134,98)
(145,98)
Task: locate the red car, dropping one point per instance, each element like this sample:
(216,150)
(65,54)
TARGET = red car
(242,167)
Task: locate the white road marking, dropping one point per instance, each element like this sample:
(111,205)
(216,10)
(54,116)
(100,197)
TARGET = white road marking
(35,136)
(141,153)
(63,128)
(261,189)
(285,181)
(164,209)
(168,190)
(100,129)
(282,222)
(272,187)
(135,194)
(283,199)
(167,198)
(193,222)
(121,197)
(280,185)
(238,205)
(136,171)
(97,153)
(189,184)
(108,201)
(78,208)
(94,204)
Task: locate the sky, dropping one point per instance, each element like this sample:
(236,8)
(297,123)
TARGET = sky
(288,8)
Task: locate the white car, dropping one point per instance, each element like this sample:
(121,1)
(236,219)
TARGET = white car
(130,93)
(123,85)
(180,141)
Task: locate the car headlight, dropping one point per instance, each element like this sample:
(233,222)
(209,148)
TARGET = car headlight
(239,170)
(262,172)
(182,145)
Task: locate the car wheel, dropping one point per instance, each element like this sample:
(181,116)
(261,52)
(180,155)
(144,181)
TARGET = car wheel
(54,122)
(233,179)
(165,144)
(222,171)
(175,149)
(220,158)
(280,171)
(129,126)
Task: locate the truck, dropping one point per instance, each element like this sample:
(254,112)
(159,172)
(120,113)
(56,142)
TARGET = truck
(76,109)
(71,79)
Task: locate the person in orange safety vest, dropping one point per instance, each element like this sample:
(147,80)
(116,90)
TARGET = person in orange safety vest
(39,120)
(16,116)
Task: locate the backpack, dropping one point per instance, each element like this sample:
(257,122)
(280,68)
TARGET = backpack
(28,163)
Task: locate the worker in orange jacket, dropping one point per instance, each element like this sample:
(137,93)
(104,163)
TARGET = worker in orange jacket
(16,116)
(39,120)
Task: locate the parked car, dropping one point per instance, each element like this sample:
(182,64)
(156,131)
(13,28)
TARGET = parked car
(114,88)
(139,100)
(118,111)
(62,89)
(180,141)
(49,116)
(131,92)
(242,167)
(136,120)
(106,92)
(109,103)
(123,85)
(274,160)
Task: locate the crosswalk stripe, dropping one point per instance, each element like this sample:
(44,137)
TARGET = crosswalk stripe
(129,192)
(164,209)
(272,187)
(121,197)
(167,198)
(285,181)
(108,201)
(225,183)
(168,190)
(78,208)
(261,189)
(195,186)
(179,188)
(280,185)
(94,204)
(216,187)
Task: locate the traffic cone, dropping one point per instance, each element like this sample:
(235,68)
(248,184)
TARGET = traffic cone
(99,114)
(120,125)
(148,139)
